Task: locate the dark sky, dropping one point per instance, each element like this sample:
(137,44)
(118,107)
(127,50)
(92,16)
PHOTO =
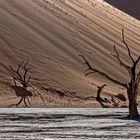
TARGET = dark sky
(131,7)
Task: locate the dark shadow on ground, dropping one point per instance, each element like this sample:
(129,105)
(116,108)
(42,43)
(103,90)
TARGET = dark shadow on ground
(126,117)
(137,119)
(131,7)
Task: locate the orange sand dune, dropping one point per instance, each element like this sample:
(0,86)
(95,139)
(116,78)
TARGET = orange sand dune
(51,34)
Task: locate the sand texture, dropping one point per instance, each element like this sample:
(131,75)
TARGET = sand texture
(50,34)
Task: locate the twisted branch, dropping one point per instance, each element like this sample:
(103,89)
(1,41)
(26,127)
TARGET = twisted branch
(117,56)
(93,70)
(18,76)
(129,52)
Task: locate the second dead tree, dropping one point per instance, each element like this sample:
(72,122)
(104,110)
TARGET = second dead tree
(100,88)
(99,98)
(21,91)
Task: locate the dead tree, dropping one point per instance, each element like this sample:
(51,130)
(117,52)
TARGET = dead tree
(132,85)
(22,78)
(19,77)
(99,98)
(100,88)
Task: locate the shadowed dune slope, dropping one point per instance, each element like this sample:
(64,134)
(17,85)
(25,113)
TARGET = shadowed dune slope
(51,34)
(128,6)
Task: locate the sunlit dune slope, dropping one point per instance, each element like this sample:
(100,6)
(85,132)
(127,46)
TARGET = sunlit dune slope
(51,34)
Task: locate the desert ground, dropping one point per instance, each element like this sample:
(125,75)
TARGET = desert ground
(51,34)
(67,124)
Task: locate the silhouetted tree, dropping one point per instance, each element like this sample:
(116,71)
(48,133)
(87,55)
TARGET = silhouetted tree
(22,78)
(99,98)
(132,85)
(100,88)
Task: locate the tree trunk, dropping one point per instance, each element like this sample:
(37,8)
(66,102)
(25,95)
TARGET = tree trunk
(132,98)
(133,111)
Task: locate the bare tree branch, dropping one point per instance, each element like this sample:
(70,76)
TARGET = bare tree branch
(101,87)
(18,76)
(101,73)
(117,56)
(17,71)
(129,52)
(136,62)
(138,77)
(91,72)
(26,71)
